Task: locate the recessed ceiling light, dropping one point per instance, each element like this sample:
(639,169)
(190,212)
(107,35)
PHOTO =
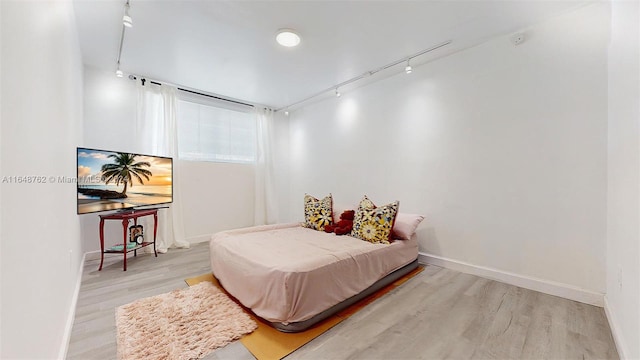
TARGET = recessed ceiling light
(287,37)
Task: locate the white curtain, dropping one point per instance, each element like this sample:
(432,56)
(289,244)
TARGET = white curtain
(265,204)
(156,134)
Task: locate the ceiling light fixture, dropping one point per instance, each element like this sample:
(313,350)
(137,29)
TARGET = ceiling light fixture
(126,18)
(126,23)
(366,74)
(286,113)
(408,69)
(288,38)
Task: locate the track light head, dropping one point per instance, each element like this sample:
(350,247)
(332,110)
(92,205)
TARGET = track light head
(126,18)
(337,93)
(119,73)
(408,69)
(286,113)
(126,21)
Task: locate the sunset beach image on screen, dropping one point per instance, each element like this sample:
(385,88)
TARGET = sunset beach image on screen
(110,180)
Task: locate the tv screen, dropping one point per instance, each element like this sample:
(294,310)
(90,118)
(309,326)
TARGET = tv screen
(110,180)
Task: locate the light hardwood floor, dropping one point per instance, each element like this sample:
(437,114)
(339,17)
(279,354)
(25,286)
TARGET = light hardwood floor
(438,314)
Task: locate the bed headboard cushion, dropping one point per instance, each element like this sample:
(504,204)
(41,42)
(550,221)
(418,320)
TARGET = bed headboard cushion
(374,224)
(318,213)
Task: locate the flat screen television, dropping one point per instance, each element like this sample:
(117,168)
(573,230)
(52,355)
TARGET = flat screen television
(111,180)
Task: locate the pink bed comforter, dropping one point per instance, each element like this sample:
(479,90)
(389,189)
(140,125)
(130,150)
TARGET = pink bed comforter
(287,273)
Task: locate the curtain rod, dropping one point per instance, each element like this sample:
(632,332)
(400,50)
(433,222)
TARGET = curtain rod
(216,97)
(366,74)
(193,91)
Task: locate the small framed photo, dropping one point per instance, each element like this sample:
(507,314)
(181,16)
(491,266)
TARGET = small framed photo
(136,234)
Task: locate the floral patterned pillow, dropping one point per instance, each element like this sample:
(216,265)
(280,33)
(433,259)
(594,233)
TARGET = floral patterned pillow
(317,213)
(366,203)
(374,224)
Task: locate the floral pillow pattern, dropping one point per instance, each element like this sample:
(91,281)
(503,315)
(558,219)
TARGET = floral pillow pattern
(374,224)
(366,203)
(317,213)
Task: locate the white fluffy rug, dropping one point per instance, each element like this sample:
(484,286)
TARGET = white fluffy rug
(183,324)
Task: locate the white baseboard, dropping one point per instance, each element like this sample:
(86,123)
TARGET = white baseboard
(199,239)
(544,286)
(66,337)
(615,330)
(92,255)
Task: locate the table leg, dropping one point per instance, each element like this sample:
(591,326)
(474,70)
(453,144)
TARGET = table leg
(135,223)
(125,222)
(155,230)
(101,243)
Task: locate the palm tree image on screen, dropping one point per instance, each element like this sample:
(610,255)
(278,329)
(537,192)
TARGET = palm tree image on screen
(125,169)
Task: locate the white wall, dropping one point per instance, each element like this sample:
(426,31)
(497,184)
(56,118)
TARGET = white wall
(216,196)
(623,235)
(41,90)
(501,147)
(1,232)
(281,152)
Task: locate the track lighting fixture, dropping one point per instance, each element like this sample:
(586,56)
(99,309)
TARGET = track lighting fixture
(408,69)
(126,18)
(126,22)
(286,113)
(119,72)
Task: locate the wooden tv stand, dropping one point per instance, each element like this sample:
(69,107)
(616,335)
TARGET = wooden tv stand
(125,216)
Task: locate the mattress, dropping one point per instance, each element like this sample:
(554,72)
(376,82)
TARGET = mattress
(287,273)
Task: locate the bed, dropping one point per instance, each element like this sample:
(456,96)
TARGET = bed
(294,277)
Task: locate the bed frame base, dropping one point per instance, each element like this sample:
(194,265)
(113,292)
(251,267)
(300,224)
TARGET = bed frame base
(304,325)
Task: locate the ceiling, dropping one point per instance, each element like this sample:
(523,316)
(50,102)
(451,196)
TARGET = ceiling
(228,47)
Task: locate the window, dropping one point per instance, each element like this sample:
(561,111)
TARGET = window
(215,130)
